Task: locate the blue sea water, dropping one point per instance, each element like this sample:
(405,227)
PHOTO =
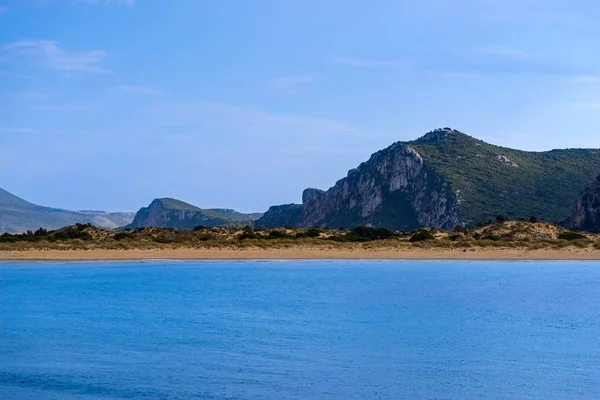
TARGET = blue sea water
(300,330)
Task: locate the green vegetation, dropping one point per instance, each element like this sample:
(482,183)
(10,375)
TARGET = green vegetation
(505,235)
(77,231)
(492,179)
(421,236)
(122,236)
(571,236)
(310,233)
(364,234)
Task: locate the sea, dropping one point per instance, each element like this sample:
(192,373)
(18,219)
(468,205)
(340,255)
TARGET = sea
(300,330)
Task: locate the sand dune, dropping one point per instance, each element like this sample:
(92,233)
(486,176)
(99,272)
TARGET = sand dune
(301,254)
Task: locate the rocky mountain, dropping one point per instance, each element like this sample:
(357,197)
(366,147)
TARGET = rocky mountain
(18,215)
(278,216)
(586,212)
(171,213)
(447,179)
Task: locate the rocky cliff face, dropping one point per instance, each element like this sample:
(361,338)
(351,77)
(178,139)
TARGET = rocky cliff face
(278,216)
(586,212)
(393,189)
(171,213)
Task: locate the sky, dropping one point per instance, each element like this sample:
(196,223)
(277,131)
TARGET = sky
(108,104)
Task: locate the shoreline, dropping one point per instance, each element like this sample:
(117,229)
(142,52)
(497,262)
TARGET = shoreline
(300,254)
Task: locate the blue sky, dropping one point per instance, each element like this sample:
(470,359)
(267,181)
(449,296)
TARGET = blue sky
(244,103)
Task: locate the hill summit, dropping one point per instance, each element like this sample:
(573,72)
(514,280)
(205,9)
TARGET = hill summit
(173,213)
(445,179)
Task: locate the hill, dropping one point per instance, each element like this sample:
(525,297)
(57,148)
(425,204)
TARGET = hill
(447,179)
(172,213)
(18,215)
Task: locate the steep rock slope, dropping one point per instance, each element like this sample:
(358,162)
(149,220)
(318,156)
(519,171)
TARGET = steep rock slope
(394,188)
(447,179)
(278,216)
(18,215)
(586,212)
(172,213)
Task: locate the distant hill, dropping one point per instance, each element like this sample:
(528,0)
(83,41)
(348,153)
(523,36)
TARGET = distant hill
(447,179)
(586,212)
(172,213)
(18,215)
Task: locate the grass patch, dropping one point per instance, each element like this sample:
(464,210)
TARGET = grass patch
(421,236)
(569,235)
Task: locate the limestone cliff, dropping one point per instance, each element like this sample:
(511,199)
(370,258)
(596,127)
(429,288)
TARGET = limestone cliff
(586,212)
(393,189)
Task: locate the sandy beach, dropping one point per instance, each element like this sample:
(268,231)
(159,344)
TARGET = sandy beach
(299,254)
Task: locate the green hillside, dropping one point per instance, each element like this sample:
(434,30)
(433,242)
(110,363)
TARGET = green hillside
(491,180)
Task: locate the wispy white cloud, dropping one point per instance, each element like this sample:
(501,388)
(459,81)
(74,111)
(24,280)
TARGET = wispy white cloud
(370,63)
(587,79)
(47,54)
(292,81)
(128,3)
(65,107)
(32,95)
(142,90)
(256,122)
(588,105)
(507,52)
(17,130)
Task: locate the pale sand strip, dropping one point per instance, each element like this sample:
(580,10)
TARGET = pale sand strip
(299,254)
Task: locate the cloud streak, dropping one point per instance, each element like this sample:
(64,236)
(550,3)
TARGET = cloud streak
(484,60)
(143,90)
(248,121)
(47,54)
(32,95)
(587,79)
(588,105)
(507,52)
(370,63)
(65,107)
(127,3)
(292,81)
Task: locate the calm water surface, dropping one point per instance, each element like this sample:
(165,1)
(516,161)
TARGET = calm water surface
(300,330)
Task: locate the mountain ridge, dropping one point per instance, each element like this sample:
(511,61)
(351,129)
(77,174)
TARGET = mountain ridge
(447,178)
(172,213)
(18,215)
